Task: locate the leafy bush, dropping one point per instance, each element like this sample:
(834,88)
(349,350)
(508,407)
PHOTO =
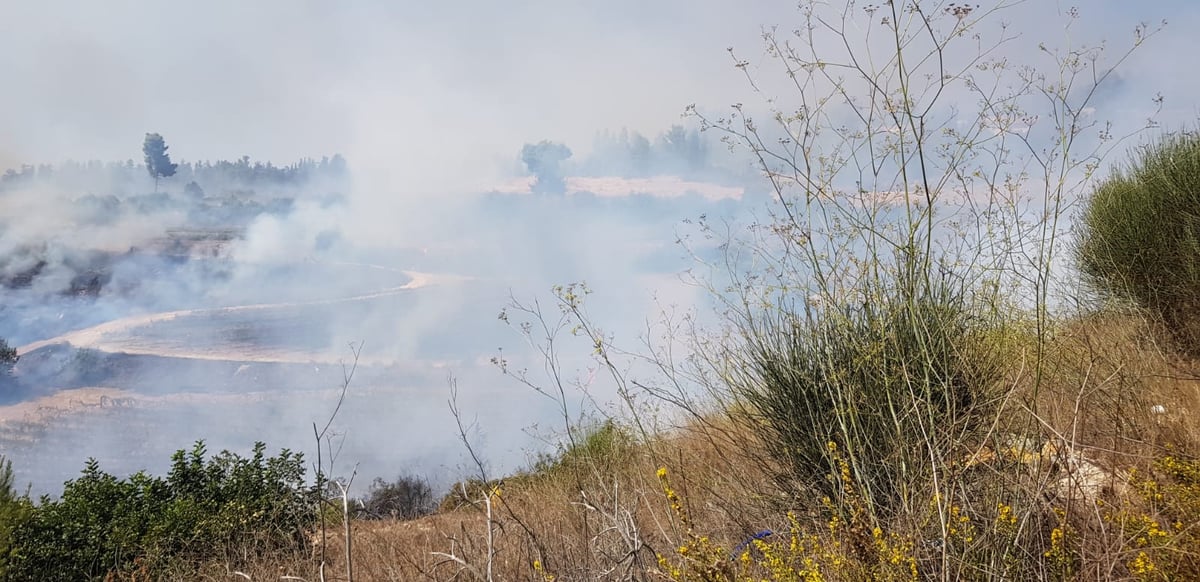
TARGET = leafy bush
(595,444)
(1140,235)
(892,382)
(14,511)
(407,497)
(467,493)
(202,509)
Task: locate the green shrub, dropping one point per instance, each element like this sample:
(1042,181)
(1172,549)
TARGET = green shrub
(595,444)
(596,447)
(14,511)
(888,385)
(202,509)
(466,494)
(1140,235)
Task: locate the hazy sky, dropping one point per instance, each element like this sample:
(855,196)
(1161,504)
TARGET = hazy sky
(429,89)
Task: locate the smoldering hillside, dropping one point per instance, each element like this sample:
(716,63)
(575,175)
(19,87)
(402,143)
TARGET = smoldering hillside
(234,303)
(223,306)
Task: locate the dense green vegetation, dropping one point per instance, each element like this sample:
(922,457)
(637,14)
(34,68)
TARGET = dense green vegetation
(204,508)
(1140,235)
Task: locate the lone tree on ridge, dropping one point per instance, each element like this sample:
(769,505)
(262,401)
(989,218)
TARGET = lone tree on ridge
(158,162)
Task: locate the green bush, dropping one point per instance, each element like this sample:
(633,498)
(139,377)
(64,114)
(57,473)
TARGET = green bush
(889,385)
(14,511)
(1140,235)
(594,447)
(467,494)
(595,444)
(203,509)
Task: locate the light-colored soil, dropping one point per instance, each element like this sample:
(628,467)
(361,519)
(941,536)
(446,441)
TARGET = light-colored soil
(76,400)
(42,409)
(132,421)
(616,187)
(120,335)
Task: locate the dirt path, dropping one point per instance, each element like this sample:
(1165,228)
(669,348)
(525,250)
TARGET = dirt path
(98,337)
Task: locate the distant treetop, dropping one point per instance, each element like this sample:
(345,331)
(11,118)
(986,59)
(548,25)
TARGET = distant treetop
(158,162)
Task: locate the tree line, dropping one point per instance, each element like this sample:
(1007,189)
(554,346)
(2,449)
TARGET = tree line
(243,172)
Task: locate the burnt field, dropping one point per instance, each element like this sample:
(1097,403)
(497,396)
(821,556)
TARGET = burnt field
(144,323)
(133,390)
(177,340)
(50,438)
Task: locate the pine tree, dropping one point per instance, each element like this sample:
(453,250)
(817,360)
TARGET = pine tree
(158,162)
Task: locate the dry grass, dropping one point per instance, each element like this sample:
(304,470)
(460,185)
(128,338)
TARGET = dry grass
(1111,388)
(605,516)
